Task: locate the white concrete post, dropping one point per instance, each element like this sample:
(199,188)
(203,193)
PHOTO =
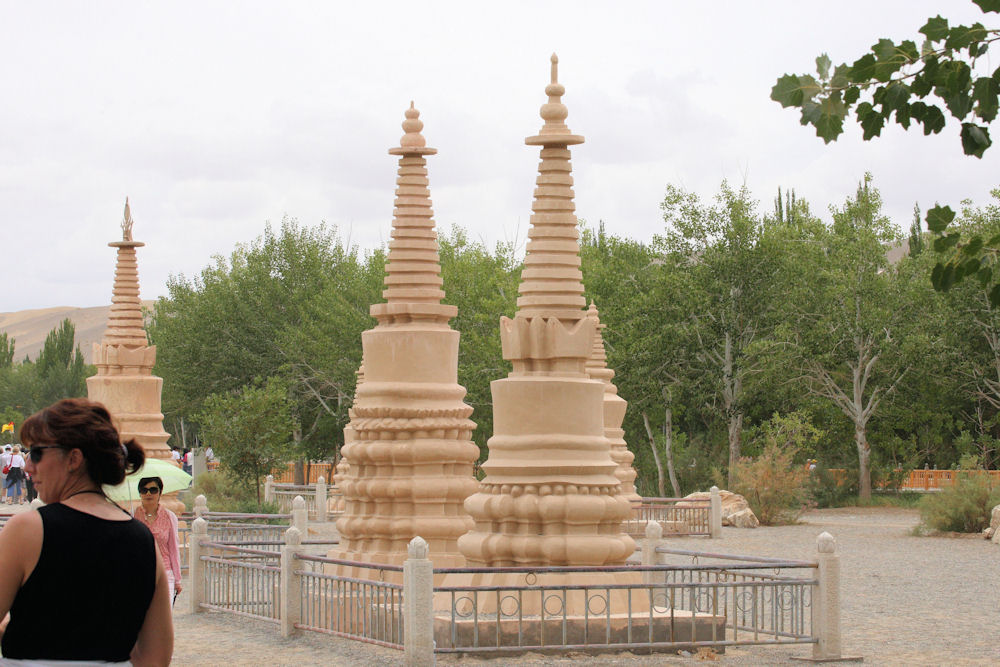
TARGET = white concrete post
(321,499)
(418,605)
(826,600)
(291,583)
(200,465)
(715,514)
(200,505)
(36,503)
(300,515)
(196,568)
(269,489)
(654,534)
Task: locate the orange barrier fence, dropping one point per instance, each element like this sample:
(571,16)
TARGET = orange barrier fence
(928,480)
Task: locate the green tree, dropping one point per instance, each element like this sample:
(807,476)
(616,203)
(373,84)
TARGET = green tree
(729,297)
(291,304)
(847,333)
(250,430)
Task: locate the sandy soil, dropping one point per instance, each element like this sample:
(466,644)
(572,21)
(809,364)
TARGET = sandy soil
(906,601)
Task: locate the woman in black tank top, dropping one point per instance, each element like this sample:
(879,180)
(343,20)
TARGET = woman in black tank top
(82,580)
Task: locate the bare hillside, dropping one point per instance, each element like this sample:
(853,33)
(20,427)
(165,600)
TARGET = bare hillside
(30,327)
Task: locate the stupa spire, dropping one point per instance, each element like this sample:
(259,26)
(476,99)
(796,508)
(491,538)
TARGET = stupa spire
(413,270)
(125,323)
(551,282)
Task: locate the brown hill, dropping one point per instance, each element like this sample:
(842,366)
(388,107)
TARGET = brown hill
(30,327)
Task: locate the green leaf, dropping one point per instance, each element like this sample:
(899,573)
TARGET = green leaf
(871,120)
(823,66)
(947,277)
(988,5)
(933,120)
(935,29)
(787,91)
(943,243)
(984,275)
(985,93)
(975,139)
(973,247)
(896,95)
(863,69)
(962,36)
(995,296)
(841,78)
(939,217)
(936,274)
(851,95)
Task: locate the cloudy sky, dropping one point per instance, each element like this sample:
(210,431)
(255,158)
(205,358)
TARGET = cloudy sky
(216,118)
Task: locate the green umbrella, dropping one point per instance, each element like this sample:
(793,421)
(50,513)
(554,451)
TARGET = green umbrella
(174,479)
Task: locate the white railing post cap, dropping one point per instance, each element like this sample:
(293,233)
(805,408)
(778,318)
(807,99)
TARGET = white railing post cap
(293,536)
(825,543)
(654,530)
(417,548)
(298,503)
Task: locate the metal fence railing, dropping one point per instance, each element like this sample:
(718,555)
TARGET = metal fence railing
(648,607)
(365,607)
(677,516)
(242,579)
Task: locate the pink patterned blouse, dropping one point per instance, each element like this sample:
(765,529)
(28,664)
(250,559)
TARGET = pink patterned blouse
(164,529)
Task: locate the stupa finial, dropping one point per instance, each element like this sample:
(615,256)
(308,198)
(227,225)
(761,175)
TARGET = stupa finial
(554,132)
(127,223)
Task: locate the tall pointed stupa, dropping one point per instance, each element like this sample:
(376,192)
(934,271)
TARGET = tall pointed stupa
(125,383)
(410,454)
(550,496)
(614,410)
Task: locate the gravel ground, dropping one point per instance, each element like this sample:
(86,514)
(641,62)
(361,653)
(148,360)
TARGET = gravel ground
(905,601)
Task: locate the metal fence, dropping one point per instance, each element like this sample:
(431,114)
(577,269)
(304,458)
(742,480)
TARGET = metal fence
(644,607)
(366,608)
(324,502)
(242,579)
(673,599)
(677,516)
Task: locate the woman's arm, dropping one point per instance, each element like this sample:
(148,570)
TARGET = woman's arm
(155,645)
(173,548)
(20,547)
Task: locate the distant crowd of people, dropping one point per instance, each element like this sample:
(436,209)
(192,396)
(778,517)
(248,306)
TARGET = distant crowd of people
(16,485)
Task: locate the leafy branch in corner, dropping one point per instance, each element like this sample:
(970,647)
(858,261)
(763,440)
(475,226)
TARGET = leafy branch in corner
(898,81)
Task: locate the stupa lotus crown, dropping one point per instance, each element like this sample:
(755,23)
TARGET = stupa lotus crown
(546,344)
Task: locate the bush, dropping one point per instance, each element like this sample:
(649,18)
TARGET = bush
(224,494)
(774,484)
(833,489)
(963,507)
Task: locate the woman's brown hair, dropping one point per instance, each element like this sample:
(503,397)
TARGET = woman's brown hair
(77,423)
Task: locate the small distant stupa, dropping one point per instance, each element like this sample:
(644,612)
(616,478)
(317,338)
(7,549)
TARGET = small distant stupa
(125,383)
(614,410)
(408,446)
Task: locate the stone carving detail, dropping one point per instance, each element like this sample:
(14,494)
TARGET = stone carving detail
(550,495)
(614,410)
(408,453)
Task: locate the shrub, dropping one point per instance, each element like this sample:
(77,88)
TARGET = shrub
(829,488)
(963,507)
(224,494)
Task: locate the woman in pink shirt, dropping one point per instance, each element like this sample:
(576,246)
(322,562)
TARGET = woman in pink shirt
(163,524)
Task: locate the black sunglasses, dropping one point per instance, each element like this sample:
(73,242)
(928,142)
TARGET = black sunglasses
(150,490)
(35,453)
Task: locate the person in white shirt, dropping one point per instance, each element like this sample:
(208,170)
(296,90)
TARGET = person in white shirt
(175,454)
(4,462)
